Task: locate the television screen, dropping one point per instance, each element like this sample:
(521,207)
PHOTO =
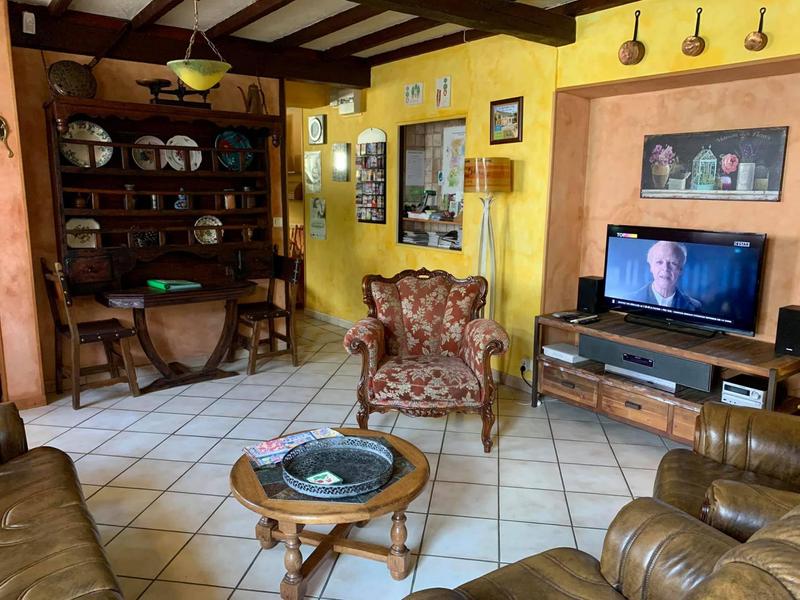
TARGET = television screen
(703,278)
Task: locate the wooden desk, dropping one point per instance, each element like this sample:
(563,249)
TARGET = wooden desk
(175,373)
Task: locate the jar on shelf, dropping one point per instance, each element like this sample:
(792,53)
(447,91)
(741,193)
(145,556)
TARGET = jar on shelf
(80,201)
(230,198)
(129,200)
(249,199)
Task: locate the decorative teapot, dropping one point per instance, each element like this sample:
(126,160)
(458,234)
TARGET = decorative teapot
(254,101)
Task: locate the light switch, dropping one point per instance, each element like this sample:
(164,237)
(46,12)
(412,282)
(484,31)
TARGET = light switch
(28,22)
(277,221)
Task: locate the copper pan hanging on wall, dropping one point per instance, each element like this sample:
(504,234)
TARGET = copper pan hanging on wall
(757,40)
(632,51)
(694,44)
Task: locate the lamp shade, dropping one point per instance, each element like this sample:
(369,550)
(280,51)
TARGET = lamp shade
(484,175)
(199,74)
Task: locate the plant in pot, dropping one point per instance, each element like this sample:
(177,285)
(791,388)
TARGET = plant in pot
(661,158)
(748,151)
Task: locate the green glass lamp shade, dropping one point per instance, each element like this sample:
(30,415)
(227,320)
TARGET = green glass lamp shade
(199,74)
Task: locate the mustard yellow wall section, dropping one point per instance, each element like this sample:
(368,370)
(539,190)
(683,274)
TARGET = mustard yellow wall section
(663,25)
(481,71)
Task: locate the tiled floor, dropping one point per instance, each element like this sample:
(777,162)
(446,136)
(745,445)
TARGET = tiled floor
(155,472)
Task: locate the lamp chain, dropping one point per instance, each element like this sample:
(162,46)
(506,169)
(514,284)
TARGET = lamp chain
(197,29)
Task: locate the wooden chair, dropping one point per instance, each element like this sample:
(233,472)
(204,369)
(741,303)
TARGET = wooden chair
(110,332)
(256,315)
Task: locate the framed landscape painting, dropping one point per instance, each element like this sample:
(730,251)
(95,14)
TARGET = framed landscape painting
(734,164)
(505,124)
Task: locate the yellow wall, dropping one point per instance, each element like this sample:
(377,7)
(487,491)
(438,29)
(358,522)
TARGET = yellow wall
(482,71)
(663,25)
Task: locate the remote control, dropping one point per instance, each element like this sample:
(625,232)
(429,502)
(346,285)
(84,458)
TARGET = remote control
(569,314)
(584,320)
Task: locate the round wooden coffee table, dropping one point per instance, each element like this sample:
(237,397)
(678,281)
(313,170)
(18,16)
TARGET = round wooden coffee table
(284,519)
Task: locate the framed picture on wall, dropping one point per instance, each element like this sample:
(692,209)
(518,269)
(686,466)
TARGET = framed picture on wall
(505,121)
(733,164)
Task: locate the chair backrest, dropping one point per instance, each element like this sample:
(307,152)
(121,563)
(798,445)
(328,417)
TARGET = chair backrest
(289,270)
(58,295)
(749,439)
(424,312)
(767,566)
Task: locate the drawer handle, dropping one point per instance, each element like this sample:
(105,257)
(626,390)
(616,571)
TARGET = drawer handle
(633,405)
(567,384)
(90,269)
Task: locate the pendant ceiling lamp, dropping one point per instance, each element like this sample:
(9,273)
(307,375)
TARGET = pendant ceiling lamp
(199,74)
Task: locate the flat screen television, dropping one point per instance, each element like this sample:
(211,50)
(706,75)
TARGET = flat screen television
(705,279)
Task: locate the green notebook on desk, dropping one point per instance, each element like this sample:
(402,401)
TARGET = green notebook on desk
(173,285)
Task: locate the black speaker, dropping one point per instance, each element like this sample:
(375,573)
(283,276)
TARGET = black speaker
(787,339)
(591,292)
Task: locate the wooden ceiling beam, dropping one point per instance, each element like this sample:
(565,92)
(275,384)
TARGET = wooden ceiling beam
(327,26)
(152,12)
(249,14)
(446,41)
(92,35)
(58,7)
(492,16)
(584,7)
(388,34)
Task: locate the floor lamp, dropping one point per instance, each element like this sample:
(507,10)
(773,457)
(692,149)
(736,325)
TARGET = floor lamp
(486,176)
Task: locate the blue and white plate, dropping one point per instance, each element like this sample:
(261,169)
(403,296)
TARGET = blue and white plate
(233,139)
(78,154)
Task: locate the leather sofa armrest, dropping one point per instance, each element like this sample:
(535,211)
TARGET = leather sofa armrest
(482,339)
(366,337)
(12,433)
(740,509)
(436,594)
(653,550)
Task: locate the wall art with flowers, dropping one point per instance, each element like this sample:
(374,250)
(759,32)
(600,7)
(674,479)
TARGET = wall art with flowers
(736,164)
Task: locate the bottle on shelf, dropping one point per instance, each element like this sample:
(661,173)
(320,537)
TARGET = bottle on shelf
(230,198)
(182,203)
(129,200)
(249,199)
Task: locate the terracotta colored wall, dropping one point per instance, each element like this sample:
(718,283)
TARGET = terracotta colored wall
(184,334)
(617,126)
(22,376)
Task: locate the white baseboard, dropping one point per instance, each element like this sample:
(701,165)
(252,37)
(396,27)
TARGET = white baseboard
(328,318)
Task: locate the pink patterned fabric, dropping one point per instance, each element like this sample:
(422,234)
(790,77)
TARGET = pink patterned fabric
(425,381)
(390,312)
(478,335)
(423,302)
(460,304)
(369,331)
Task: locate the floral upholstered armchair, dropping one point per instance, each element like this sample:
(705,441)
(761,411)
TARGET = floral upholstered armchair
(425,350)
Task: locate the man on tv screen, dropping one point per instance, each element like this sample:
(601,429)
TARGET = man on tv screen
(666,261)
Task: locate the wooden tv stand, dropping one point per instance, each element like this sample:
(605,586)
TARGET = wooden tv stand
(673,415)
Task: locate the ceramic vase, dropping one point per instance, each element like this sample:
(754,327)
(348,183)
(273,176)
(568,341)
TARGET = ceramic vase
(660,175)
(746,176)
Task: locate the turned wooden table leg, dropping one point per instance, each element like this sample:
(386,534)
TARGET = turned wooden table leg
(399,559)
(143,333)
(293,586)
(264,529)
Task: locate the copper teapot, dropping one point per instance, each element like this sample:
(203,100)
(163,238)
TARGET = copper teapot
(254,101)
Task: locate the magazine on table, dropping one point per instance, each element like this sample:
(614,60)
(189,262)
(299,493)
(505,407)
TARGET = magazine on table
(271,452)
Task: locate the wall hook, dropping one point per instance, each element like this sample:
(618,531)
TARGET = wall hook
(4,133)
(757,40)
(694,44)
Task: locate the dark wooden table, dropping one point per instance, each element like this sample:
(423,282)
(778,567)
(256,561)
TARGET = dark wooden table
(143,298)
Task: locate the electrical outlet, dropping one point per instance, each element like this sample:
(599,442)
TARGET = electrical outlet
(277,221)
(526,364)
(28,23)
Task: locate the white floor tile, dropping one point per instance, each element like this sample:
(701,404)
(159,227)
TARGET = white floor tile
(620,433)
(335,396)
(226,452)
(287,411)
(292,394)
(267,377)
(467,444)
(65,416)
(209,389)
(596,479)
(119,506)
(467,469)
(530,474)
(312,380)
(582,431)
(329,413)
(99,470)
(590,540)
(156,422)
(152,474)
(258,429)
(640,481)
(562,410)
(520,448)
(182,447)
(594,510)
(29,414)
(461,537)
(187,405)
(131,588)
(39,435)
(268,570)
(206,425)
(144,403)
(435,571)
(168,590)
(143,552)
(131,443)
(513,408)
(354,578)
(205,479)
(464,499)
(113,419)
(248,595)
(524,427)
(520,540)
(212,560)
(225,407)
(343,382)
(406,421)
(637,456)
(81,440)
(585,453)
(250,392)
(534,506)
(178,512)
(465,423)
(232,519)
(107,532)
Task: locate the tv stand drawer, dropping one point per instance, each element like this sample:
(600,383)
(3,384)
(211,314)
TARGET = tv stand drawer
(566,384)
(618,402)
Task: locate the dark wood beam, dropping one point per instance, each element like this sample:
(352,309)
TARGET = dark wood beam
(492,16)
(327,26)
(446,41)
(58,7)
(91,35)
(388,34)
(584,7)
(246,16)
(152,12)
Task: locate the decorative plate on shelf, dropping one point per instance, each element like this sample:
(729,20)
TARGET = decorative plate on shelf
(175,157)
(146,159)
(146,239)
(208,236)
(81,240)
(231,160)
(78,154)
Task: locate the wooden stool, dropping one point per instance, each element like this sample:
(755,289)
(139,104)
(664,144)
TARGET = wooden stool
(255,315)
(110,332)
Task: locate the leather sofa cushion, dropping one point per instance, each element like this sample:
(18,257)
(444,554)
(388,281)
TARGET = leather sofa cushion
(684,476)
(49,547)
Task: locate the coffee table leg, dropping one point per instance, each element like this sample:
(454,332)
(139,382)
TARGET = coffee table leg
(264,530)
(293,586)
(399,559)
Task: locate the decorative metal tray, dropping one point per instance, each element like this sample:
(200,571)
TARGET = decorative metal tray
(363,465)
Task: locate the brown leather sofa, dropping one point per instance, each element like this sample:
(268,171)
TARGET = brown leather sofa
(736,444)
(49,546)
(652,551)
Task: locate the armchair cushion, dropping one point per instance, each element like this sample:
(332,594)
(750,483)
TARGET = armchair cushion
(427,381)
